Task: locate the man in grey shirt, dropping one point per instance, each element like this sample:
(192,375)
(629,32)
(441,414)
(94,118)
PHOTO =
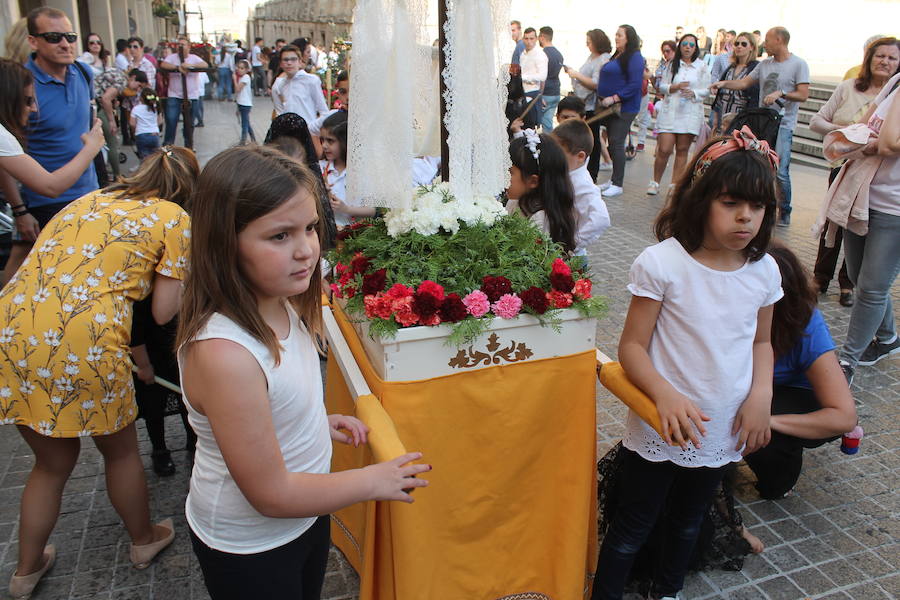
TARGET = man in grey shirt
(782,77)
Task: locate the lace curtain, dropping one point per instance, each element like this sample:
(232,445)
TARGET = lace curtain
(395,114)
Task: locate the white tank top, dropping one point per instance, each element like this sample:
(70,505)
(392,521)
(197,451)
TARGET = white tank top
(216,510)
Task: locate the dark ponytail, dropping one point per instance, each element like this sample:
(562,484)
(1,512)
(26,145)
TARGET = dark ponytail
(149,97)
(554,193)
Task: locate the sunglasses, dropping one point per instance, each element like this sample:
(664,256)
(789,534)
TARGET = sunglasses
(55,37)
(741,43)
(98,42)
(29,101)
(688,44)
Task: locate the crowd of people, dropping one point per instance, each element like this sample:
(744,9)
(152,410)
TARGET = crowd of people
(98,279)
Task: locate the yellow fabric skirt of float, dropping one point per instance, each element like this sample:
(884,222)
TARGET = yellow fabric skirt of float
(510,512)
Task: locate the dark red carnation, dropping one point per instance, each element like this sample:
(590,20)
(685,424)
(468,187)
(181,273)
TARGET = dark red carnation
(536,299)
(360,263)
(494,287)
(374,282)
(452,309)
(425,305)
(561,282)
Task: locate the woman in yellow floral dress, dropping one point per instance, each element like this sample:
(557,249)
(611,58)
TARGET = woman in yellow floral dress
(65,368)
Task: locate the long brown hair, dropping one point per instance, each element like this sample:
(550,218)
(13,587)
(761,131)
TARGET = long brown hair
(795,308)
(741,174)
(864,81)
(14,78)
(169,173)
(235,188)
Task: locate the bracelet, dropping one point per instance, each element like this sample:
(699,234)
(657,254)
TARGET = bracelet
(16,207)
(20,213)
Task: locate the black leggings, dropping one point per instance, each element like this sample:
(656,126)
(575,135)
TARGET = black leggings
(617,128)
(593,166)
(777,466)
(295,570)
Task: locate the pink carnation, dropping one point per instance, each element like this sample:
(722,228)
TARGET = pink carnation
(403,311)
(378,306)
(477,303)
(507,307)
(336,290)
(582,289)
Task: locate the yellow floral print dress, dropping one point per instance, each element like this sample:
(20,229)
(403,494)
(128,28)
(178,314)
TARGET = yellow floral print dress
(65,366)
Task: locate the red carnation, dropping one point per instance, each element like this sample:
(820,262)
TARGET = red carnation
(341,268)
(536,299)
(561,282)
(560,266)
(430,287)
(378,306)
(494,287)
(559,299)
(583,289)
(360,263)
(374,282)
(404,313)
(425,305)
(399,291)
(452,309)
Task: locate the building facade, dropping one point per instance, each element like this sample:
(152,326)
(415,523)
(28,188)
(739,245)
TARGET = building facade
(111,19)
(321,21)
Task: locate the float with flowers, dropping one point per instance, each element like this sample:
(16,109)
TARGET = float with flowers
(427,283)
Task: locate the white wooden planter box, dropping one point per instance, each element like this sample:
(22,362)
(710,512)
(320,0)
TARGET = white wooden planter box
(421,352)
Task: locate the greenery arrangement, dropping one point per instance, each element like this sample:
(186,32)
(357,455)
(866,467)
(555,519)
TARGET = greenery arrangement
(465,279)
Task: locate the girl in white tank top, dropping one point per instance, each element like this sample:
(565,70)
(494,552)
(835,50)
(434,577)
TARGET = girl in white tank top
(252,385)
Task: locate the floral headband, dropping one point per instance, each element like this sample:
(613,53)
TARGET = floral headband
(533,140)
(740,140)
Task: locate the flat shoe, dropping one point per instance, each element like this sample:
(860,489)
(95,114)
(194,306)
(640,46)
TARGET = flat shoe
(142,556)
(21,586)
(846,298)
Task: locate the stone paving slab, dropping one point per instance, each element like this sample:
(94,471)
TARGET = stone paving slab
(836,537)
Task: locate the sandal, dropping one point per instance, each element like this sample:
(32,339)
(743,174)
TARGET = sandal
(143,555)
(21,586)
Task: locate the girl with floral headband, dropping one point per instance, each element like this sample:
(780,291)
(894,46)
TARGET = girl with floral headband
(539,186)
(145,120)
(697,341)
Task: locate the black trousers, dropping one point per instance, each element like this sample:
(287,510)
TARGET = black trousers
(826,258)
(777,466)
(617,128)
(649,491)
(295,570)
(593,165)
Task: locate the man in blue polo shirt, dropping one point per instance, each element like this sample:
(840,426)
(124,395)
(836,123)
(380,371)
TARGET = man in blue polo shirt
(63,92)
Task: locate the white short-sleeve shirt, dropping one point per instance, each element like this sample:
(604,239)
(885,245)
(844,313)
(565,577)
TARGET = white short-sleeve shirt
(702,344)
(9,145)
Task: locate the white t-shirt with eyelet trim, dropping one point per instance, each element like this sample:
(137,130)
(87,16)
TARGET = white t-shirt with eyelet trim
(702,344)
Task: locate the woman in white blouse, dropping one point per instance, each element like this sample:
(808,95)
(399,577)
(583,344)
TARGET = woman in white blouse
(584,84)
(685,83)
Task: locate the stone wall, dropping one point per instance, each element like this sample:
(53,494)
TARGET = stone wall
(321,21)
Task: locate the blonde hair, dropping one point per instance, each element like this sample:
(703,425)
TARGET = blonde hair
(237,187)
(16,42)
(168,173)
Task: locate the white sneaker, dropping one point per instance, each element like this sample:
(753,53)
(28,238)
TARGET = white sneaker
(605,166)
(653,188)
(605,185)
(612,191)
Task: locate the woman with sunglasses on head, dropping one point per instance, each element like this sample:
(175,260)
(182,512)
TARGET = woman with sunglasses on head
(685,83)
(742,62)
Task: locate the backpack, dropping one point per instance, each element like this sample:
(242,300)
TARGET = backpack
(763,122)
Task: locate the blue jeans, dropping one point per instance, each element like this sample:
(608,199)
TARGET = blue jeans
(783,148)
(226,84)
(644,489)
(873,261)
(146,144)
(245,123)
(173,113)
(197,110)
(549,111)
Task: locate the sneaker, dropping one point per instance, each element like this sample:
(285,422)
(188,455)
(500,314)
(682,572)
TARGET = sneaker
(605,185)
(876,350)
(612,191)
(784,220)
(653,188)
(640,148)
(848,371)
(605,166)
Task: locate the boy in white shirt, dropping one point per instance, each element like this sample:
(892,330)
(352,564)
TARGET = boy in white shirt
(591,215)
(297,91)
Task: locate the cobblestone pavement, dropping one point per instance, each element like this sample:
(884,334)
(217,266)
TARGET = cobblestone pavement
(836,537)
